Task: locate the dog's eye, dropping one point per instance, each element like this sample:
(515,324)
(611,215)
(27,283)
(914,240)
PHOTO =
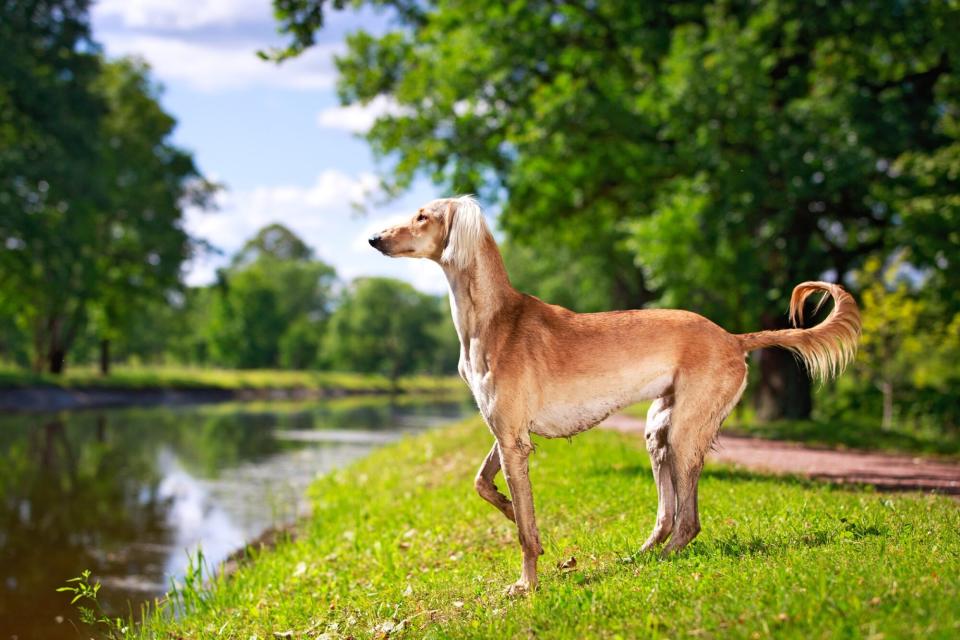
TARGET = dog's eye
(421,218)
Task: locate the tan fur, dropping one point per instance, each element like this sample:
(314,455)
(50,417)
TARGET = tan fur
(827,348)
(538,368)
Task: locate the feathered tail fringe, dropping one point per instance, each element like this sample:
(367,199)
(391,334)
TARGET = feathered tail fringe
(825,349)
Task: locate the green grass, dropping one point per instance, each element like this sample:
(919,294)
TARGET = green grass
(137,378)
(400,541)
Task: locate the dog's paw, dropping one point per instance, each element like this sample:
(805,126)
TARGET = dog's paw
(648,546)
(519,588)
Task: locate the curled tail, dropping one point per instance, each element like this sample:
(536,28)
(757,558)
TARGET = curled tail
(825,349)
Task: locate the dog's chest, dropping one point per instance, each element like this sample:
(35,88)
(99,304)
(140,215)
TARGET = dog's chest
(475,371)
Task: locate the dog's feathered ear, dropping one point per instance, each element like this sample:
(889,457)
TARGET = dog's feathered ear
(466,230)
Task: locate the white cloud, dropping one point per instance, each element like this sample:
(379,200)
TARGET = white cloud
(311,211)
(322,215)
(358,118)
(182,14)
(226,65)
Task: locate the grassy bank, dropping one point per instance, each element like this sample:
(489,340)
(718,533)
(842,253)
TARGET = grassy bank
(399,545)
(139,378)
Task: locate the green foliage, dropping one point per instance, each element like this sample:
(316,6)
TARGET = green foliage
(906,372)
(49,116)
(190,594)
(386,326)
(91,187)
(558,276)
(146,182)
(48,112)
(708,155)
(401,541)
(269,308)
(92,614)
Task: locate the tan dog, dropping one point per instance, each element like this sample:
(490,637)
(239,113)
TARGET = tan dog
(538,368)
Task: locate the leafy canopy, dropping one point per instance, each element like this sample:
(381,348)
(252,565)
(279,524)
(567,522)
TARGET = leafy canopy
(703,154)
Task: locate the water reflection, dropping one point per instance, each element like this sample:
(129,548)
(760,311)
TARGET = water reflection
(128,493)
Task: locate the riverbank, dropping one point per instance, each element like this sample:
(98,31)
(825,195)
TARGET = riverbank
(85,388)
(399,545)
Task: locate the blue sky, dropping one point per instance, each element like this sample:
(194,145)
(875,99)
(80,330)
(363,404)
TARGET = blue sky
(275,136)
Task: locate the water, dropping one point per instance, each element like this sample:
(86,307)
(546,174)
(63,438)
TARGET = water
(129,493)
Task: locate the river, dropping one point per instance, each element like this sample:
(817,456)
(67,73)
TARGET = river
(131,493)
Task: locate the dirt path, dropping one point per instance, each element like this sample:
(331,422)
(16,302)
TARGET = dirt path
(886,471)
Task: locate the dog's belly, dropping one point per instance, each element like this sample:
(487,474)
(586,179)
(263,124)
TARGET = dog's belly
(573,413)
(562,420)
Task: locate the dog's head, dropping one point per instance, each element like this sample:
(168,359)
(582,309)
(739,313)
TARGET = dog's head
(447,231)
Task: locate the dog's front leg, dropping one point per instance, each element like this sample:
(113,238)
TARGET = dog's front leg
(514,457)
(485,487)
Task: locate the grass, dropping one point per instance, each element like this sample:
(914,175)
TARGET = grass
(400,546)
(138,378)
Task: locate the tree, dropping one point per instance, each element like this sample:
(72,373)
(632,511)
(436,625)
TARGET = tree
(164,330)
(909,343)
(92,189)
(147,181)
(384,326)
(714,154)
(559,276)
(891,344)
(270,306)
(49,117)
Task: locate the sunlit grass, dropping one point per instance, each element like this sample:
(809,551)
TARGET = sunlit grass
(399,544)
(202,378)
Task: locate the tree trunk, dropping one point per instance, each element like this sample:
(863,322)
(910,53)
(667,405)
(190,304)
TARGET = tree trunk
(887,389)
(105,357)
(784,391)
(39,347)
(55,339)
(56,359)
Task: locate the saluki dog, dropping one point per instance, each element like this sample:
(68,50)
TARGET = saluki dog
(538,368)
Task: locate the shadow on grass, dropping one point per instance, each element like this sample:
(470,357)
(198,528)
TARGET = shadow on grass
(724,473)
(730,545)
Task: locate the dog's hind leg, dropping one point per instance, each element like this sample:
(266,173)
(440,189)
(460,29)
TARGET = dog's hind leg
(701,407)
(485,487)
(657,429)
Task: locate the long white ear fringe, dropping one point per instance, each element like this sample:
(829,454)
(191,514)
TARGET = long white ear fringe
(466,233)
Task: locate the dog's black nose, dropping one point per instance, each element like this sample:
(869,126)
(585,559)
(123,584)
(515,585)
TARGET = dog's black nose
(374,239)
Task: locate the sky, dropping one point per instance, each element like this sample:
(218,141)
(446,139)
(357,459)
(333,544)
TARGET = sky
(274,136)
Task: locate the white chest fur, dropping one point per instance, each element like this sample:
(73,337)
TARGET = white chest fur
(474,370)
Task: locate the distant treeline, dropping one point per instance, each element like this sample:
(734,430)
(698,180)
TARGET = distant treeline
(275,306)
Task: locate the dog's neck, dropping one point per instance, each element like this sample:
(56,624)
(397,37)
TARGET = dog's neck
(478,291)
